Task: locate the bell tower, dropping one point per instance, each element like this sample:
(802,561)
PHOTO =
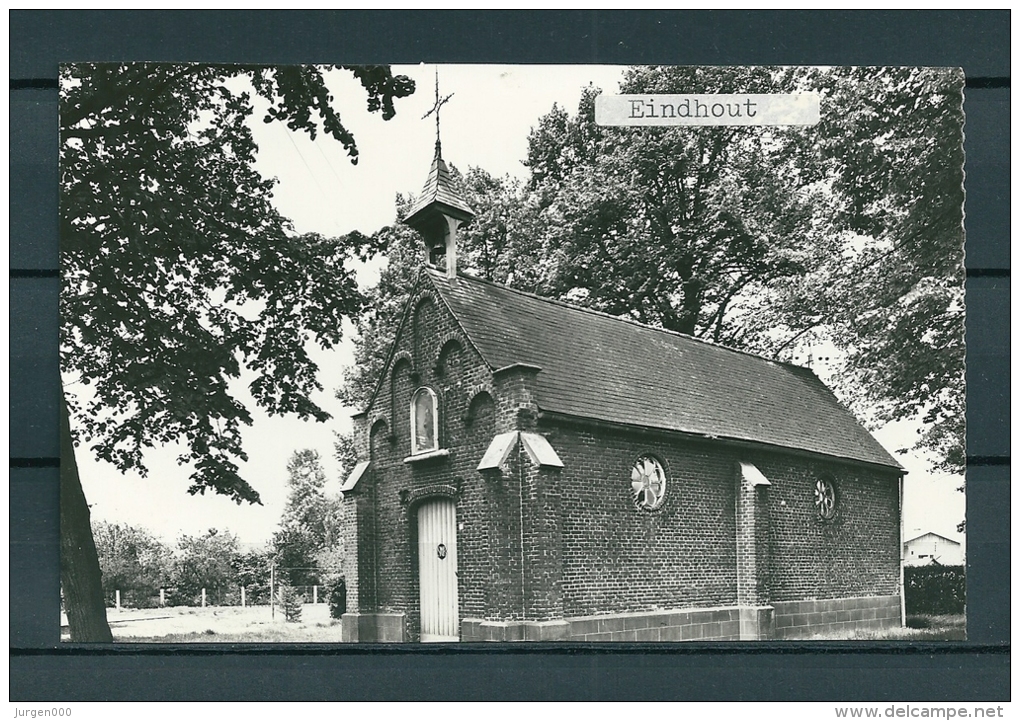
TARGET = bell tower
(439,211)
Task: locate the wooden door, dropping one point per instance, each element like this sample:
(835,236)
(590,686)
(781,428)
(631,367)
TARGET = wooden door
(437,570)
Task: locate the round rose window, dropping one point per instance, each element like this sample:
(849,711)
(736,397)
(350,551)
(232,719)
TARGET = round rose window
(825,498)
(648,483)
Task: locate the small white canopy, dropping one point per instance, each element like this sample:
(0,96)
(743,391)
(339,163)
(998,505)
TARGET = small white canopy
(750,473)
(535,445)
(356,474)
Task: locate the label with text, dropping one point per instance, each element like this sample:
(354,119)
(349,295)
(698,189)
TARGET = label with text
(742,109)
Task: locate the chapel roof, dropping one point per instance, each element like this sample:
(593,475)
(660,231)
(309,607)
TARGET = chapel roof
(600,367)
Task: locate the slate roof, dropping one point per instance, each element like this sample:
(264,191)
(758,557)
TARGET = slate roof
(440,188)
(599,367)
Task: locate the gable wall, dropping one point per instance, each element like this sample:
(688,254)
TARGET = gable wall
(394,537)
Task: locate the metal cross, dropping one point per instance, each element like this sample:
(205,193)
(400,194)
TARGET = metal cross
(435,109)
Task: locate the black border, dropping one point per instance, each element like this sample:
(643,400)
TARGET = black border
(41,670)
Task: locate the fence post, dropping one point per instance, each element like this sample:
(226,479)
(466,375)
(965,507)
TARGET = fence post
(272,591)
(162,597)
(203,598)
(242,596)
(315,594)
(117,594)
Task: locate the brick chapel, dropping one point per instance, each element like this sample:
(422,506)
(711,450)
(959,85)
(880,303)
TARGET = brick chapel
(531,470)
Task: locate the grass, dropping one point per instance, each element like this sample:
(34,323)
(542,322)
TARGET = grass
(222,624)
(284,633)
(919,628)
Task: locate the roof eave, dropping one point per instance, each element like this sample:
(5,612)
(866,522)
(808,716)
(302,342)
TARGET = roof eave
(708,438)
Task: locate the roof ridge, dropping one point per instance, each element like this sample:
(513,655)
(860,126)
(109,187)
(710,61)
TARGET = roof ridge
(639,324)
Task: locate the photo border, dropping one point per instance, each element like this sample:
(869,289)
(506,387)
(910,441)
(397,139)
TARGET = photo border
(43,669)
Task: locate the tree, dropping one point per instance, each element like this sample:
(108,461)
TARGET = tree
(204,562)
(891,295)
(848,232)
(310,520)
(252,570)
(676,227)
(179,274)
(133,561)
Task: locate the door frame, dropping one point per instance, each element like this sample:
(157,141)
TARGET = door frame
(417,508)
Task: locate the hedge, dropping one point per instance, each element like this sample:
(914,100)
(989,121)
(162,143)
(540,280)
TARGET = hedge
(935,590)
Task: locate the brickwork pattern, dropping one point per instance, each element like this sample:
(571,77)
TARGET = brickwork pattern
(855,554)
(427,357)
(618,558)
(542,538)
(752,543)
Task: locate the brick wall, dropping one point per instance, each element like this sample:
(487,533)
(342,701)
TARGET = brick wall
(617,558)
(854,554)
(432,352)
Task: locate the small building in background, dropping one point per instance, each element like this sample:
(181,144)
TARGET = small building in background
(932,548)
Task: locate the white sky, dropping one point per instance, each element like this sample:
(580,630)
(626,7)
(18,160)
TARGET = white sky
(485,124)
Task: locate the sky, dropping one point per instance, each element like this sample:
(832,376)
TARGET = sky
(485,124)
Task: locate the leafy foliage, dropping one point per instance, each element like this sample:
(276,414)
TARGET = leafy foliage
(203,562)
(133,561)
(179,273)
(251,569)
(935,589)
(672,226)
(291,602)
(336,596)
(310,522)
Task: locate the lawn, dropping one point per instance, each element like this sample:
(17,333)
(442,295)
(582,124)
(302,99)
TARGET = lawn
(222,624)
(918,628)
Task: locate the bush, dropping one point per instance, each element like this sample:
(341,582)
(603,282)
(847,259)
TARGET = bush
(336,596)
(935,590)
(291,602)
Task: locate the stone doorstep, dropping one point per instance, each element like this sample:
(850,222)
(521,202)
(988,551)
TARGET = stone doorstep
(478,630)
(373,627)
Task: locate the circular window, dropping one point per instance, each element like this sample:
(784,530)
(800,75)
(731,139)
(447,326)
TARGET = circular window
(648,483)
(825,498)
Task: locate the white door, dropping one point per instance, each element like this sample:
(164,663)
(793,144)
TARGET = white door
(437,570)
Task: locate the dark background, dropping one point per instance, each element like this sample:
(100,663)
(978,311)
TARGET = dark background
(43,670)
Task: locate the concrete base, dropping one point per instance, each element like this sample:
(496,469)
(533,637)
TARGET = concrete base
(478,630)
(694,624)
(757,623)
(373,628)
(835,617)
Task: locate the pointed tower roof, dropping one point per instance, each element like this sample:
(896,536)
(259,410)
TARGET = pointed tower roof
(440,196)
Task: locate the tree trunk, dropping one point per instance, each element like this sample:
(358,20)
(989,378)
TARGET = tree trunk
(80,577)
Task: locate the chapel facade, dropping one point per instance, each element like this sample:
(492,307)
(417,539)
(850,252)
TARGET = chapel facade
(536,471)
